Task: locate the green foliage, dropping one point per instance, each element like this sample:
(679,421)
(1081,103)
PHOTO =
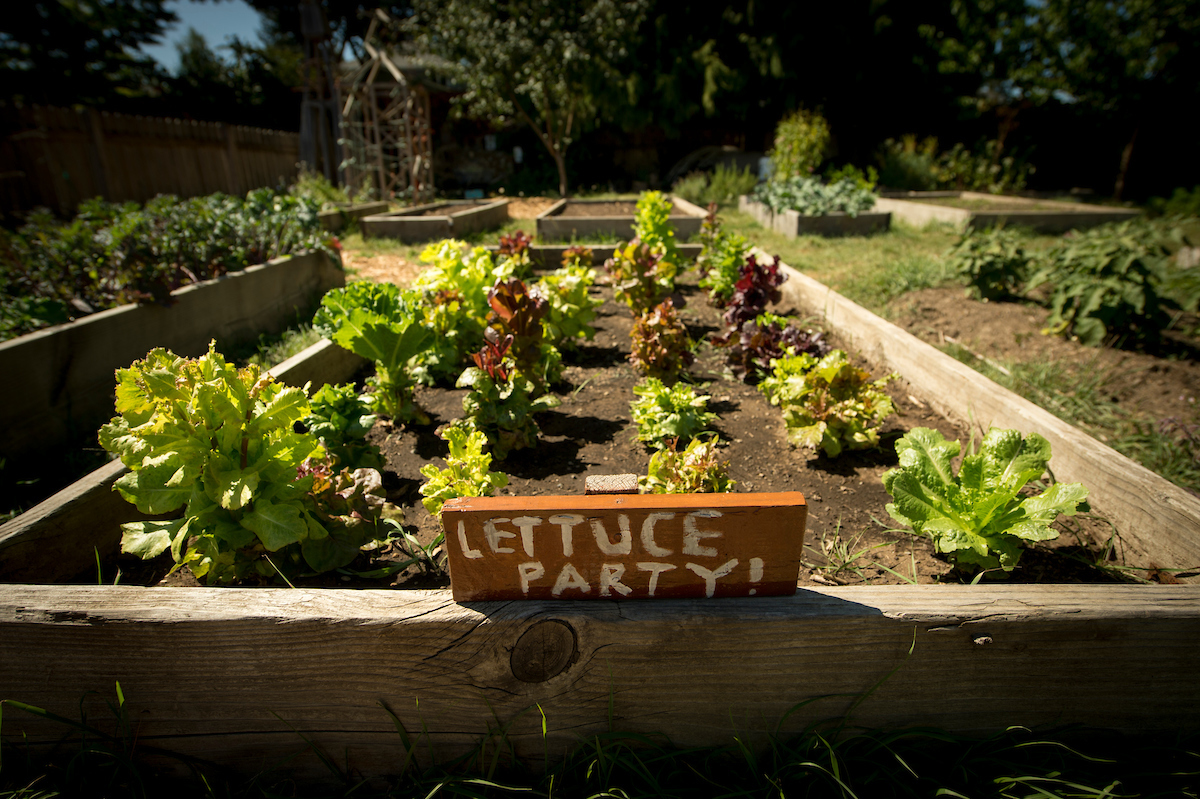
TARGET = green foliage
(1181,203)
(662,413)
(759,342)
(722,256)
(917,166)
(810,197)
(978,516)
(652,224)
(109,254)
(341,419)
(801,142)
(640,277)
(724,185)
(578,255)
(220,441)
(517,315)
(864,180)
(828,404)
(572,308)
(316,188)
(696,470)
(908,164)
(993,262)
(502,401)
(380,323)
(1105,283)
(514,253)
(467,472)
(661,345)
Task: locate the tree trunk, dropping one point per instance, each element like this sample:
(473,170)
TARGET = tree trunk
(561,162)
(1126,154)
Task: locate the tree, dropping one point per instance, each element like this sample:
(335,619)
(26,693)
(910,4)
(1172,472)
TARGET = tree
(555,65)
(66,52)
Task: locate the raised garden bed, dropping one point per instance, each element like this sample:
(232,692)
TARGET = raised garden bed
(66,371)
(976,209)
(549,256)
(568,220)
(337,218)
(960,657)
(793,223)
(448,219)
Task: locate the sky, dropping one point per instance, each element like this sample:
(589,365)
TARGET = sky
(216,22)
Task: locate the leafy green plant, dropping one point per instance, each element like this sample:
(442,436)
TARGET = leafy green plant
(675,412)
(691,187)
(978,516)
(640,277)
(1104,283)
(764,340)
(578,255)
(698,469)
(514,248)
(987,169)
(219,441)
(801,141)
(1181,203)
(467,472)
(810,197)
(864,180)
(721,258)
(992,261)
(828,403)
(652,225)
(723,185)
(378,322)
(572,308)
(502,401)
(908,164)
(517,314)
(757,286)
(341,418)
(661,345)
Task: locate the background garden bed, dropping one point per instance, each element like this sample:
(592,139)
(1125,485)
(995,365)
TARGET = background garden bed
(988,210)
(581,220)
(335,219)
(449,219)
(792,223)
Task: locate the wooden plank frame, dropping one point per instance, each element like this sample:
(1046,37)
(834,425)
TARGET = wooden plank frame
(553,226)
(238,675)
(1059,217)
(460,217)
(792,224)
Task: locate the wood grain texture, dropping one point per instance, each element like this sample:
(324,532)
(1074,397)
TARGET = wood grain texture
(233,674)
(653,546)
(1157,520)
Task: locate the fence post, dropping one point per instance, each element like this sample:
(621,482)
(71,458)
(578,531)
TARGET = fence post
(231,164)
(99,157)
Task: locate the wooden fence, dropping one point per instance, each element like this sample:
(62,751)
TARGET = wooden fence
(58,157)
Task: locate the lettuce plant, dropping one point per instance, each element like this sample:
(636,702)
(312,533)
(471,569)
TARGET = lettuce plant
(721,257)
(378,322)
(828,403)
(652,224)
(219,442)
(978,516)
(993,262)
(758,343)
(661,345)
(502,401)
(517,313)
(572,308)
(640,277)
(695,470)
(467,472)
(757,286)
(341,418)
(578,255)
(663,413)
(514,251)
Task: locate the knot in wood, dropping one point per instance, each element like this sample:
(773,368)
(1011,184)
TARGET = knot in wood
(543,651)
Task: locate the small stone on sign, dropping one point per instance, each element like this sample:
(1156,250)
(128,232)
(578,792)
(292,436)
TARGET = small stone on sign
(610,484)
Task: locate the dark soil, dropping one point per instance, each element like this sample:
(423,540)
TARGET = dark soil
(446,210)
(594,209)
(850,538)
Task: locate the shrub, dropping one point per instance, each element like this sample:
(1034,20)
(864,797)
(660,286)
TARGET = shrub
(811,197)
(993,262)
(801,141)
(662,412)
(724,185)
(661,345)
(696,470)
(828,403)
(908,164)
(1181,203)
(916,166)
(978,516)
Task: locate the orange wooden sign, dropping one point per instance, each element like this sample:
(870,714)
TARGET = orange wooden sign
(653,546)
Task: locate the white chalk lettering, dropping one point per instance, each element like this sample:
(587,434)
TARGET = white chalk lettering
(710,577)
(567,521)
(493,536)
(530,572)
(526,524)
(648,544)
(655,569)
(756,569)
(462,542)
(692,535)
(569,578)
(610,579)
(623,547)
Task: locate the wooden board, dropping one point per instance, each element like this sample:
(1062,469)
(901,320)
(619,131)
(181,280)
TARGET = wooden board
(1157,521)
(654,546)
(237,675)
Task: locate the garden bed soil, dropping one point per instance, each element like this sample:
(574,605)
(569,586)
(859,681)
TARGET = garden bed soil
(591,434)
(603,209)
